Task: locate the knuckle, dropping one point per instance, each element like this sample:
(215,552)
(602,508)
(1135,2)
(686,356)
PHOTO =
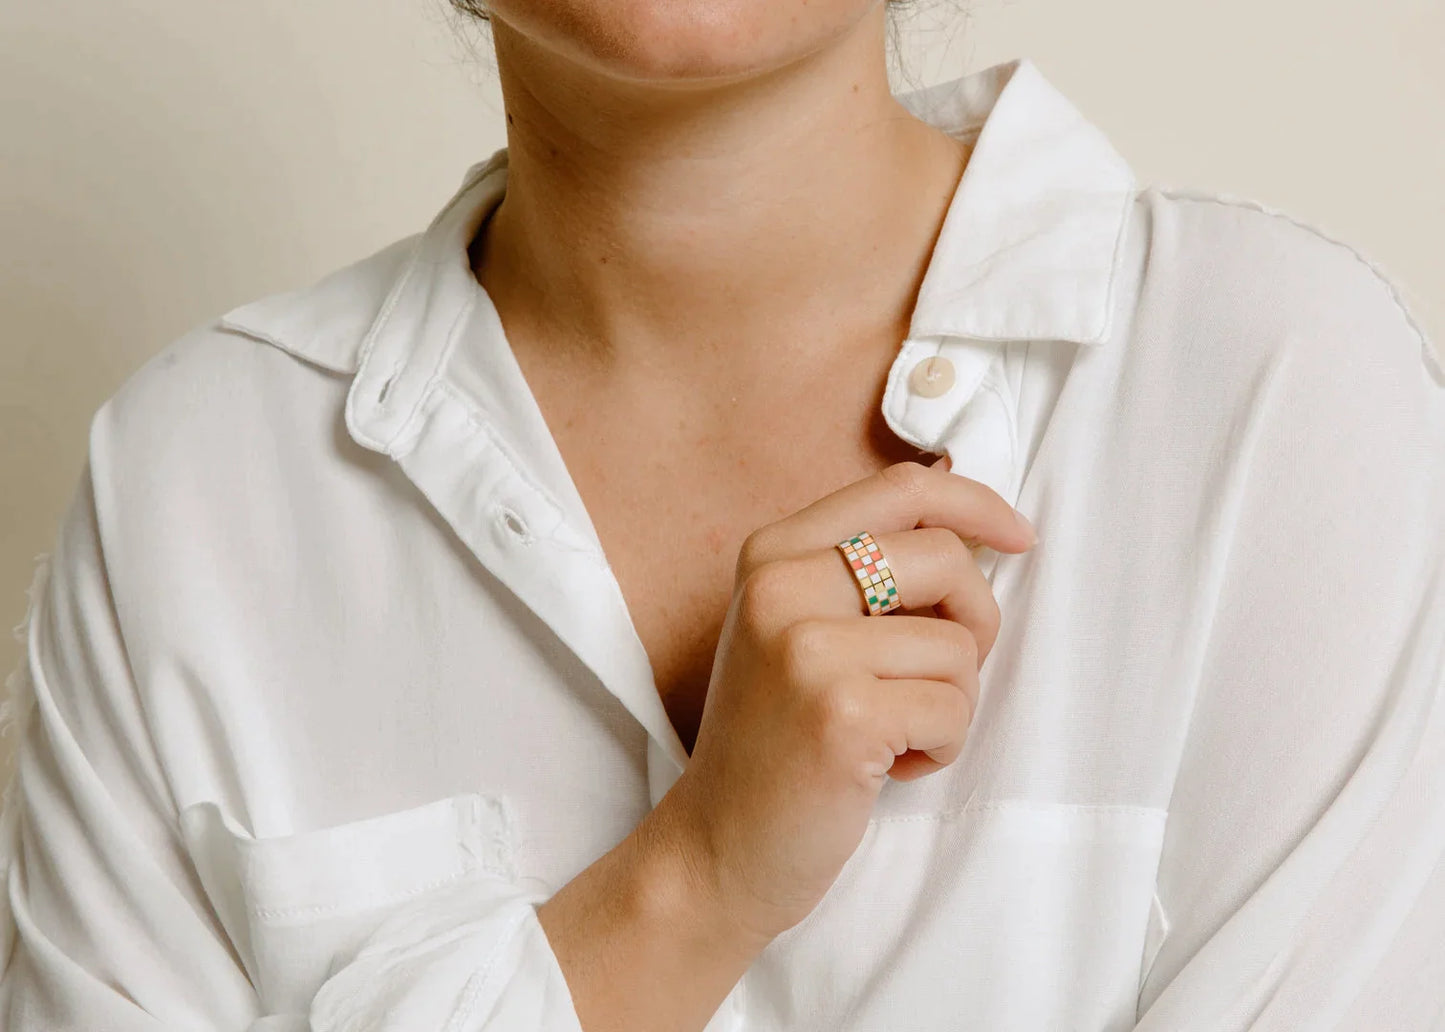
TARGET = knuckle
(762,592)
(756,549)
(907,478)
(965,641)
(987,617)
(838,712)
(802,647)
(943,544)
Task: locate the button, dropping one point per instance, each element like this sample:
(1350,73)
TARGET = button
(931,377)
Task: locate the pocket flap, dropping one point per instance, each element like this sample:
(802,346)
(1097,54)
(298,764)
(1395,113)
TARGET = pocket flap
(295,904)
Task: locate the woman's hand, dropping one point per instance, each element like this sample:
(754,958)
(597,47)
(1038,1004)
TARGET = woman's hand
(813,703)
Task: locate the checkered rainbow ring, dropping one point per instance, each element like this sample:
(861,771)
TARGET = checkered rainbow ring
(874,577)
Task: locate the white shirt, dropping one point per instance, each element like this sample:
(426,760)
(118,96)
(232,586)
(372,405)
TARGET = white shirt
(329,683)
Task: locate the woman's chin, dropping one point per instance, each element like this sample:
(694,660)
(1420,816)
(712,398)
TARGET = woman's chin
(682,43)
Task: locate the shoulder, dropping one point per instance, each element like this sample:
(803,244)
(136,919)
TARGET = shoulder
(236,421)
(278,365)
(1262,323)
(1271,359)
(1240,286)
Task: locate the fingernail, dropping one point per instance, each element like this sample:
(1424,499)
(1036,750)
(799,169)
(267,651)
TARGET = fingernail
(1027,526)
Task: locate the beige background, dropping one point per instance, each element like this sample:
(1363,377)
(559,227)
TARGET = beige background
(162,161)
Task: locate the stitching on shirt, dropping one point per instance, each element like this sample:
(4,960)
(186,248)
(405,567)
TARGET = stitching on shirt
(1234,201)
(1131,198)
(495,829)
(996,380)
(504,511)
(1021,461)
(473,988)
(443,353)
(413,260)
(316,910)
(368,343)
(484,426)
(1025,804)
(501,833)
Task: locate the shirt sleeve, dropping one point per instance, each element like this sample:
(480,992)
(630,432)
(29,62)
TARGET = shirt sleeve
(104,923)
(1302,879)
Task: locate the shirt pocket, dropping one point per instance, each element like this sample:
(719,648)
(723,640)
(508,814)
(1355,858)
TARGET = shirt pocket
(297,907)
(1004,915)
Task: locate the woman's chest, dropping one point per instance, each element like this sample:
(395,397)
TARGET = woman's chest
(671,531)
(1012,890)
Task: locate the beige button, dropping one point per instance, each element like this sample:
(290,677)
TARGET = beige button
(931,377)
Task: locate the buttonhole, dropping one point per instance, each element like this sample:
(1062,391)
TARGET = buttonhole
(513,522)
(381,395)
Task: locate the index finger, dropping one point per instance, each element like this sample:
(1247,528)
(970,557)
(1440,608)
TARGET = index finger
(903,496)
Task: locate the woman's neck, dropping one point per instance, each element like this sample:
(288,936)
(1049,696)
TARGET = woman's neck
(664,227)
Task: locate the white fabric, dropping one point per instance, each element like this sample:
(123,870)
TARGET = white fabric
(329,683)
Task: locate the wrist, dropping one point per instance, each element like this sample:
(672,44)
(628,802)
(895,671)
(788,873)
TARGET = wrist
(641,943)
(677,882)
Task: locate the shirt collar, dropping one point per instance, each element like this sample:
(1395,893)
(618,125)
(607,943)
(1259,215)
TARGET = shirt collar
(1028,249)
(1026,252)
(1029,246)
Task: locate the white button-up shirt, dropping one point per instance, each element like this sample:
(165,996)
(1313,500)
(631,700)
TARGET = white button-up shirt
(330,684)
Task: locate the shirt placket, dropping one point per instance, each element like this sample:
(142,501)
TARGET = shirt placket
(458,453)
(974,421)
(461,462)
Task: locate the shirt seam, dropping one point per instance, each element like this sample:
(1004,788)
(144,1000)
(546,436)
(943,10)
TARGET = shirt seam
(1431,355)
(1121,809)
(270,914)
(481,424)
(368,344)
(1129,199)
(472,990)
(434,376)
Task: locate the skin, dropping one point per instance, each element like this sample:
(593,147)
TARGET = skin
(706,200)
(652,143)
